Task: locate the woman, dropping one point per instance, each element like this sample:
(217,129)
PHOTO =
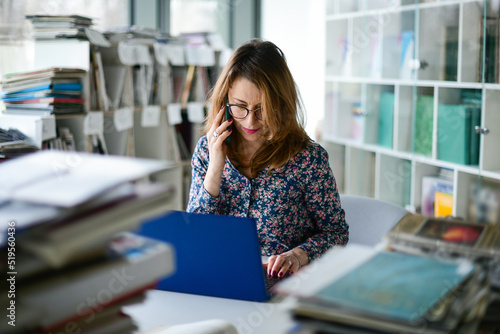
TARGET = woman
(271,170)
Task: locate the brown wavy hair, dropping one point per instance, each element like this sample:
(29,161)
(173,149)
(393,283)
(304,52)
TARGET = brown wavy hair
(264,64)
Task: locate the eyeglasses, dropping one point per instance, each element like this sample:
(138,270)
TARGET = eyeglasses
(240,112)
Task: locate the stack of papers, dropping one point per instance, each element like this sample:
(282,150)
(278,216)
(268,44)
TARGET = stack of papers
(65,220)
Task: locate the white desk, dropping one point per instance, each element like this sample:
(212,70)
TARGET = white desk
(173,308)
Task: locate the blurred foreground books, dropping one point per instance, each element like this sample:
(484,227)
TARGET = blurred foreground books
(430,276)
(65,245)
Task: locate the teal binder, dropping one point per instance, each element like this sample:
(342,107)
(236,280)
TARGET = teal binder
(386,119)
(423,125)
(457,140)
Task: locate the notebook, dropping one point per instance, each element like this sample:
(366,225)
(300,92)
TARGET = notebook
(215,255)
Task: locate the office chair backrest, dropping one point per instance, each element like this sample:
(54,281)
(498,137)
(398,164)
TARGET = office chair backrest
(369,219)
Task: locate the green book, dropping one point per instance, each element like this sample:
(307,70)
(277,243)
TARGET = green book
(454,133)
(386,119)
(423,125)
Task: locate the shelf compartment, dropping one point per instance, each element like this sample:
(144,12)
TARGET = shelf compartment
(491,140)
(337,48)
(343,109)
(360,172)
(438,42)
(394,180)
(337,159)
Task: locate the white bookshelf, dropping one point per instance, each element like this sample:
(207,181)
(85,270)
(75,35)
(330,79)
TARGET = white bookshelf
(364,43)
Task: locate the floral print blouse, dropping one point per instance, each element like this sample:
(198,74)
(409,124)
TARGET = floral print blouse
(297,206)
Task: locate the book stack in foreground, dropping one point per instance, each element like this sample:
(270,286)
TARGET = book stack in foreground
(44,91)
(432,276)
(71,263)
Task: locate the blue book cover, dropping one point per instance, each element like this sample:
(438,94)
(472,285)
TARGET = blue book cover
(73,86)
(396,285)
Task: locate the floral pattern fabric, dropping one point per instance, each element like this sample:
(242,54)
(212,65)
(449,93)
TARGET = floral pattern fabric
(297,206)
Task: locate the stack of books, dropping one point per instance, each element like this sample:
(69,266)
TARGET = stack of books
(59,26)
(432,276)
(44,92)
(13,144)
(71,261)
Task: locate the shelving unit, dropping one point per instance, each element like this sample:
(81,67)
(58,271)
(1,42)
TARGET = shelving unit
(426,54)
(154,141)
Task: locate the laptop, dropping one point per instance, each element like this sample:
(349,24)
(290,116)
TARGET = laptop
(215,255)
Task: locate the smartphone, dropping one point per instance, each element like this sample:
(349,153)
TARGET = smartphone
(228,117)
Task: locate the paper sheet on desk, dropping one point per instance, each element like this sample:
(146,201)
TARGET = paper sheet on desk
(213,326)
(67,179)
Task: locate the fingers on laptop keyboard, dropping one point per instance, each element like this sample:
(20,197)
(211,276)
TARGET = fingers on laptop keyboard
(280,265)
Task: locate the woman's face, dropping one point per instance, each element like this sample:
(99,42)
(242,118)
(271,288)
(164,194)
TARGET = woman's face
(244,93)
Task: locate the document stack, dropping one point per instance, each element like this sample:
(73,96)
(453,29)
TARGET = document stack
(70,261)
(432,276)
(44,91)
(59,26)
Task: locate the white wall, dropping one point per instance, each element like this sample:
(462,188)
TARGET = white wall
(298,28)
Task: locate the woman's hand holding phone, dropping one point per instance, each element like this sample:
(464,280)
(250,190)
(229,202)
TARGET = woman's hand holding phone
(217,148)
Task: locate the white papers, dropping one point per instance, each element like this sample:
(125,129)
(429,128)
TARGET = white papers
(150,116)
(175,54)
(66,179)
(195,112)
(201,55)
(134,54)
(212,326)
(318,273)
(93,124)
(97,38)
(216,42)
(161,53)
(174,113)
(123,119)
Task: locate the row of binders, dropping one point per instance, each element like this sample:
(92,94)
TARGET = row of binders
(73,262)
(430,275)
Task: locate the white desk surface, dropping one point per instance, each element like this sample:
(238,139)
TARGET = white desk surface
(172,308)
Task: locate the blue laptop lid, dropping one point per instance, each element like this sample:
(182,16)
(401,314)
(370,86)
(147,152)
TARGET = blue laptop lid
(215,255)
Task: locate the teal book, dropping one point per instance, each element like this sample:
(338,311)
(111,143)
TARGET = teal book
(474,137)
(396,286)
(454,133)
(422,140)
(386,119)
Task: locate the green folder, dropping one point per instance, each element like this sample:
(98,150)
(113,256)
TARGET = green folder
(457,140)
(423,125)
(386,119)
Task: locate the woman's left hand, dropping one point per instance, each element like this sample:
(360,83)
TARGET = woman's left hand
(279,265)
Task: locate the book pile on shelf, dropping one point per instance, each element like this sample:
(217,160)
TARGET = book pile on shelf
(73,262)
(43,92)
(437,194)
(430,275)
(59,26)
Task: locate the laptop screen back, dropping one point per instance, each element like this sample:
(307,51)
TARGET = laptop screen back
(215,255)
